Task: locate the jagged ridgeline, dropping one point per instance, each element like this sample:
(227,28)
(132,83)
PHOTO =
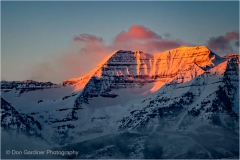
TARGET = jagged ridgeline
(182,103)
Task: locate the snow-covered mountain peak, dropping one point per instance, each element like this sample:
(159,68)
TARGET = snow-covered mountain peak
(133,69)
(150,66)
(199,55)
(129,61)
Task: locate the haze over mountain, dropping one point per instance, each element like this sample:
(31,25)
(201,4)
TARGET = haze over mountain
(181,103)
(86,51)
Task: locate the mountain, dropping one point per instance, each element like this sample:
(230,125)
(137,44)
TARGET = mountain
(139,105)
(26,86)
(12,119)
(127,69)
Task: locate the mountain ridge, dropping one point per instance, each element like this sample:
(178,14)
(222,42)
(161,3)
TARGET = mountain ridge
(125,69)
(81,81)
(181,95)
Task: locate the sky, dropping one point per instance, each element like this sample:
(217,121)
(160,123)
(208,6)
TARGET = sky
(55,41)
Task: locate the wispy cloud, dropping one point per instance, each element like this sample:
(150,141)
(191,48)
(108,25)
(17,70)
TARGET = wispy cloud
(85,52)
(224,44)
(87,38)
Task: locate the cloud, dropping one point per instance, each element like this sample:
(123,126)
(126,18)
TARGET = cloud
(224,44)
(87,51)
(141,38)
(232,35)
(136,32)
(87,38)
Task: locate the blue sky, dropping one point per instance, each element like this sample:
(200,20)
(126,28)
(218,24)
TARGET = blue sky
(31,31)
